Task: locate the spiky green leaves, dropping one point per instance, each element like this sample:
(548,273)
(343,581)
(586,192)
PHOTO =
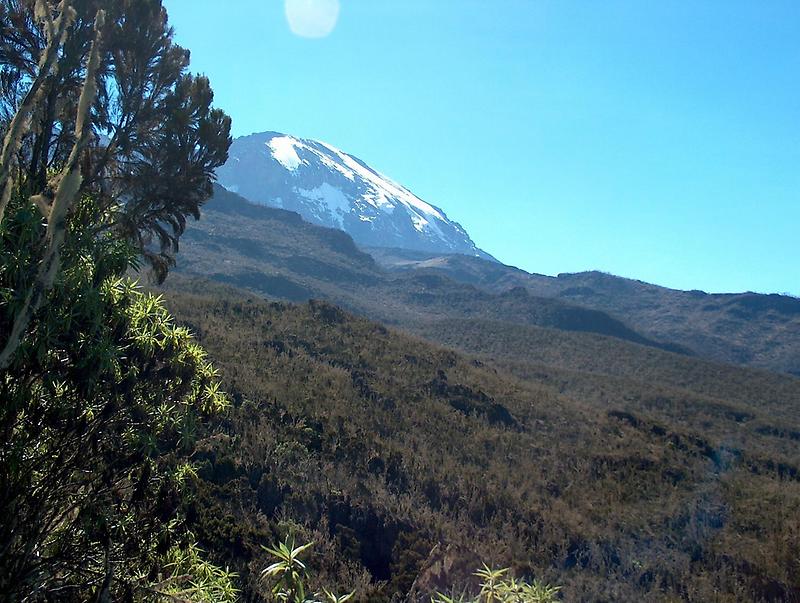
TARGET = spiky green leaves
(497,586)
(101,405)
(291,575)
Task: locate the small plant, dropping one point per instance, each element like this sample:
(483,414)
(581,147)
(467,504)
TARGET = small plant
(497,587)
(291,575)
(192,579)
(333,598)
(289,571)
(492,587)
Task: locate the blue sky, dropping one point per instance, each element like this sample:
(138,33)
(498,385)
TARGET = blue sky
(653,140)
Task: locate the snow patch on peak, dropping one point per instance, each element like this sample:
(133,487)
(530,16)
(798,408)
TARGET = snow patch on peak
(419,222)
(331,200)
(283,150)
(385,188)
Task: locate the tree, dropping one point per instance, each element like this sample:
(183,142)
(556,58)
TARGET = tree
(97,99)
(99,411)
(109,145)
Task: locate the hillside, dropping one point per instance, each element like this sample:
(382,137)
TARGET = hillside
(680,481)
(744,328)
(260,370)
(275,253)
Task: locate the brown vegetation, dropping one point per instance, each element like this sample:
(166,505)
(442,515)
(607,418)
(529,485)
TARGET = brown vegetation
(673,482)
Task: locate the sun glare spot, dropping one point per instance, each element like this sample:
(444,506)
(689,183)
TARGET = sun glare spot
(312,18)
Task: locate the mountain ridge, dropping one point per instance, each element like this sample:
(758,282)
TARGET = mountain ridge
(754,329)
(275,253)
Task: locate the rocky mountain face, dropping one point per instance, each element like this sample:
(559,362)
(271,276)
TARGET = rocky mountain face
(331,188)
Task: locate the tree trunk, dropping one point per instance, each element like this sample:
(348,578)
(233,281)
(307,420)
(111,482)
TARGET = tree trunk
(56,35)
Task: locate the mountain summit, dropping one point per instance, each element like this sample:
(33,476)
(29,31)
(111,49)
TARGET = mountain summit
(332,188)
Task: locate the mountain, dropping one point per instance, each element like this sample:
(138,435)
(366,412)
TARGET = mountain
(744,328)
(408,236)
(332,188)
(277,254)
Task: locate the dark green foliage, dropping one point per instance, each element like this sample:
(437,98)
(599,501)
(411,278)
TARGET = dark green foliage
(108,146)
(155,141)
(100,406)
(638,485)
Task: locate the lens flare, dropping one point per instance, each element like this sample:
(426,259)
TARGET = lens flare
(312,18)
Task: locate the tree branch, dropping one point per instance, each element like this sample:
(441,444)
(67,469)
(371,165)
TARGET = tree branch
(56,35)
(66,184)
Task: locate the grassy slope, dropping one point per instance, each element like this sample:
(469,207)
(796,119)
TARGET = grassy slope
(622,472)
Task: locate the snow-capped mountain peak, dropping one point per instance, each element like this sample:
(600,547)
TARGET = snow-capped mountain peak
(330,187)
